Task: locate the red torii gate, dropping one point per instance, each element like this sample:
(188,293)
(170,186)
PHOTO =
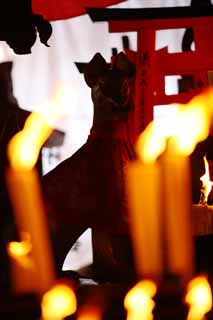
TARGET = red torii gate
(153,65)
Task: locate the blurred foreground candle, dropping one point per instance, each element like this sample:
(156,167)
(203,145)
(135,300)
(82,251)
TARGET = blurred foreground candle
(175,212)
(159,191)
(144,200)
(138,301)
(22,264)
(26,197)
(199,298)
(59,302)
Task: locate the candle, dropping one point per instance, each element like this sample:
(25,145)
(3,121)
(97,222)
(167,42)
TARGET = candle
(26,198)
(22,264)
(158,185)
(199,298)
(176,211)
(202,213)
(138,301)
(206,183)
(144,203)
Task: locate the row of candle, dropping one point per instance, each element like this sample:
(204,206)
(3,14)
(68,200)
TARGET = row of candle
(158,186)
(158,194)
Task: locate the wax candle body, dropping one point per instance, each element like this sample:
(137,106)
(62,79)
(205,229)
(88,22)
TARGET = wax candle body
(22,269)
(25,193)
(143,194)
(176,211)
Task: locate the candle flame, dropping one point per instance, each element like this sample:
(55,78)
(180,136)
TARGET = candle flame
(138,301)
(191,125)
(59,302)
(206,183)
(199,298)
(24,147)
(20,250)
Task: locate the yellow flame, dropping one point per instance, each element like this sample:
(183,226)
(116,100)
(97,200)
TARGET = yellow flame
(199,298)
(191,125)
(206,182)
(24,147)
(138,301)
(21,248)
(58,303)
(20,251)
(150,144)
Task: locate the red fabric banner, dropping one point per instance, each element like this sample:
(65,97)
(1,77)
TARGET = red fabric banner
(65,9)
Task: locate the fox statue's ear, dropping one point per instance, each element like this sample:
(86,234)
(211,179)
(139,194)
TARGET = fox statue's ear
(94,69)
(122,63)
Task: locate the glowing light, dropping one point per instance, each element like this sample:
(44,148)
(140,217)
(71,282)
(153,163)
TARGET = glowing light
(26,198)
(58,303)
(24,147)
(150,144)
(21,250)
(191,125)
(89,312)
(138,301)
(206,183)
(199,297)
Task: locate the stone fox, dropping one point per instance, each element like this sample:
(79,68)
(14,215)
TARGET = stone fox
(88,189)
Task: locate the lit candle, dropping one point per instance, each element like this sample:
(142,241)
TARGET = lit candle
(199,298)
(202,213)
(144,202)
(138,301)
(206,183)
(176,211)
(161,228)
(26,198)
(22,264)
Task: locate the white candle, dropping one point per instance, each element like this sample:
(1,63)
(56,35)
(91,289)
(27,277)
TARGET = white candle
(25,193)
(176,211)
(166,217)
(21,263)
(26,198)
(143,192)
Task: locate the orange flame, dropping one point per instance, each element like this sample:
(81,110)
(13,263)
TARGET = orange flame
(199,298)
(21,250)
(138,301)
(191,125)
(24,147)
